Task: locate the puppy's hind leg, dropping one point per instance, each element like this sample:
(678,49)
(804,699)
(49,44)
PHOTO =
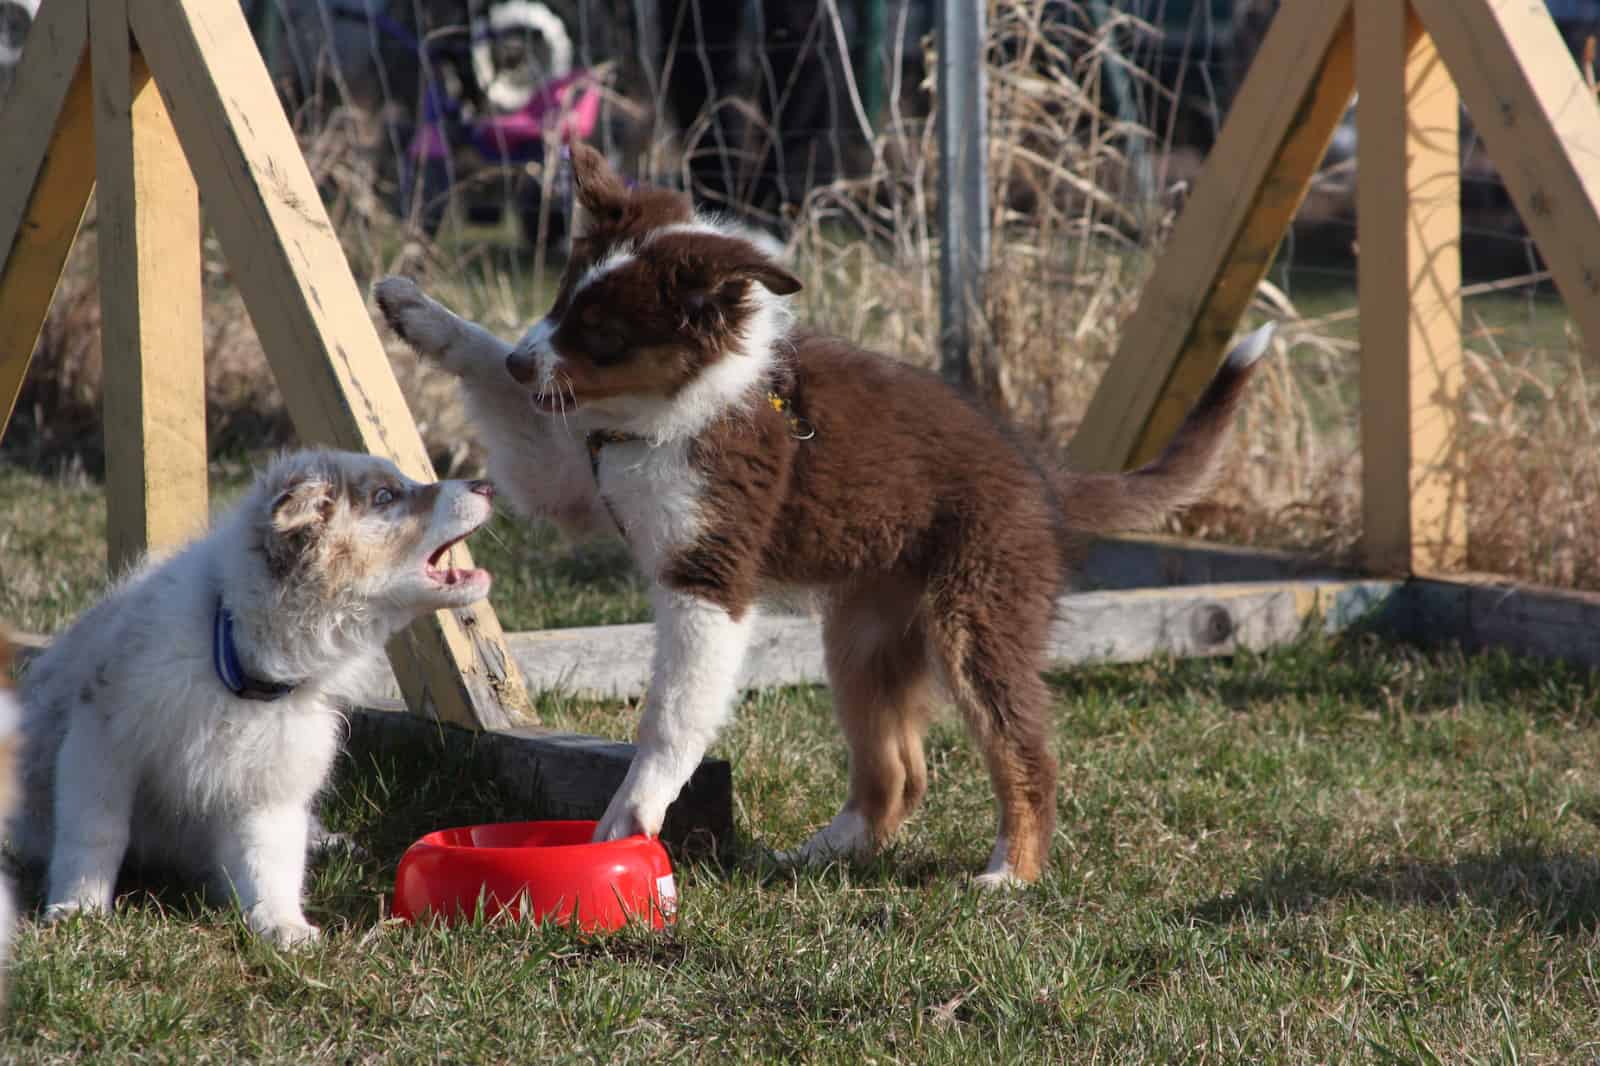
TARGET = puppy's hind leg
(262,861)
(991,665)
(94,795)
(434,332)
(880,675)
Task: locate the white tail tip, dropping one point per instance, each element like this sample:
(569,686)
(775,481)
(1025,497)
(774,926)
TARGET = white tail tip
(1247,352)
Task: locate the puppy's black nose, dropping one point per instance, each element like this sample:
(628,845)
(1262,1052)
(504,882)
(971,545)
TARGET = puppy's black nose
(522,366)
(482,488)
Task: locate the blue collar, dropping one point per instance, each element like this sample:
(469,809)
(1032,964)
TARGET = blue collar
(225,657)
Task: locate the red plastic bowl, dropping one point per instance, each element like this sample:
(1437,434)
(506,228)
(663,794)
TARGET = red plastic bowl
(543,870)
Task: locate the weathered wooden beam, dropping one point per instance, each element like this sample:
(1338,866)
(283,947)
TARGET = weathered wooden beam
(1123,626)
(319,338)
(1142,561)
(1254,180)
(1541,124)
(46,178)
(557,775)
(152,338)
(1487,613)
(1414,506)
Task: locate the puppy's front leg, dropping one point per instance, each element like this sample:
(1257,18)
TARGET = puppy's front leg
(693,681)
(94,794)
(464,348)
(262,860)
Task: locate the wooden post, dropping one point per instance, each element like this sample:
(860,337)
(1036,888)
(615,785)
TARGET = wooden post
(244,159)
(1409,208)
(152,344)
(1243,201)
(1541,124)
(46,177)
(313,321)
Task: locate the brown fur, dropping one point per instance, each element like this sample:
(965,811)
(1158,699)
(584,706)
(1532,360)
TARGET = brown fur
(938,542)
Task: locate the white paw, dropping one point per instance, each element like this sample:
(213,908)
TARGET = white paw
(846,837)
(284,926)
(65,909)
(998,881)
(291,934)
(627,817)
(415,318)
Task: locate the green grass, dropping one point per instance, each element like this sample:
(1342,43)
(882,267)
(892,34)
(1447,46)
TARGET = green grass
(1337,852)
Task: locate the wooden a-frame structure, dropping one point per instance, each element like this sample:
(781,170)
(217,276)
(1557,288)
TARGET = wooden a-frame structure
(1541,124)
(158,103)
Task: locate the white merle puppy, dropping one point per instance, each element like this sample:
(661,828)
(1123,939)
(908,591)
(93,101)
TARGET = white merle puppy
(189,719)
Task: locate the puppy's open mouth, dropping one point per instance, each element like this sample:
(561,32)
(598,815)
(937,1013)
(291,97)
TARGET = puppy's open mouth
(450,575)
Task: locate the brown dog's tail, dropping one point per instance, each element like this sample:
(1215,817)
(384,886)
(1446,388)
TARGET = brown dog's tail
(1184,472)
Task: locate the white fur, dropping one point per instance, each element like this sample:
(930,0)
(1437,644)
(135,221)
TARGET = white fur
(1250,350)
(538,461)
(655,494)
(693,681)
(999,873)
(847,836)
(133,745)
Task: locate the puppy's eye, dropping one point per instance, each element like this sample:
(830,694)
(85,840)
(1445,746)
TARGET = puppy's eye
(606,345)
(384,496)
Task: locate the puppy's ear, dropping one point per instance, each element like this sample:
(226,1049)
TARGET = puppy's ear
(601,193)
(776,279)
(299,512)
(720,281)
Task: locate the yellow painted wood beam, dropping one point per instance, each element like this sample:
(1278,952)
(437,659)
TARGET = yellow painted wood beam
(152,338)
(1254,180)
(46,179)
(1414,494)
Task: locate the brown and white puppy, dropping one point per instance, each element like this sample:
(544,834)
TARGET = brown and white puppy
(190,717)
(740,456)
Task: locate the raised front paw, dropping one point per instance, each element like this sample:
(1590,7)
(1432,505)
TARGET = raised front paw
(417,319)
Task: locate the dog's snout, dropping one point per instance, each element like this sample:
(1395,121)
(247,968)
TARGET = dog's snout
(482,488)
(522,365)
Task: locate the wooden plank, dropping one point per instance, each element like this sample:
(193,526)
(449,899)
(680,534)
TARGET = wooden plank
(313,322)
(1409,203)
(552,775)
(1243,201)
(1487,613)
(46,178)
(1128,561)
(1541,124)
(1199,620)
(154,396)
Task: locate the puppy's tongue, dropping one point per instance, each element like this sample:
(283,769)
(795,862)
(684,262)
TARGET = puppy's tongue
(449,575)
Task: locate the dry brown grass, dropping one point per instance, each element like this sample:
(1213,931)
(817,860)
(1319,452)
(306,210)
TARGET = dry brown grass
(1069,257)
(1070,252)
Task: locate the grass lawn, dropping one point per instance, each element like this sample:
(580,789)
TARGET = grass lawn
(1341,851)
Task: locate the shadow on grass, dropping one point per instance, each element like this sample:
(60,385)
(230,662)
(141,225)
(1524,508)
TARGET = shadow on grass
(1559,890)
